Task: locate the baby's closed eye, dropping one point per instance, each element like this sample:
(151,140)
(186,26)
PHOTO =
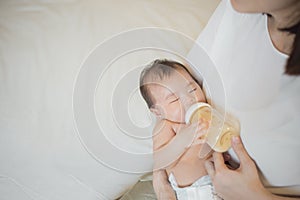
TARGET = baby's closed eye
(174,100)
(192,90)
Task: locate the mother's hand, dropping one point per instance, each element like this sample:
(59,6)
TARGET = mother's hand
(242,183)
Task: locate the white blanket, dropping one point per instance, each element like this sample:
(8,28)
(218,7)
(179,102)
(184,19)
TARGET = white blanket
(42,47)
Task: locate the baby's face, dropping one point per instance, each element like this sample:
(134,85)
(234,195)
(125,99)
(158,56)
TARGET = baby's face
(174,95)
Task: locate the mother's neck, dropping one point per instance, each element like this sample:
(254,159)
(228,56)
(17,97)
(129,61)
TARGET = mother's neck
(285,17)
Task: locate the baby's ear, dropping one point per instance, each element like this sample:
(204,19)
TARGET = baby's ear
(156,111)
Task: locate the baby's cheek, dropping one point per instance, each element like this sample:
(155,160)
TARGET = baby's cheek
(180,112)
(200,97)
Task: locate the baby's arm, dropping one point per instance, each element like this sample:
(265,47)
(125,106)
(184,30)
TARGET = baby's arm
(170,146)
(162,134)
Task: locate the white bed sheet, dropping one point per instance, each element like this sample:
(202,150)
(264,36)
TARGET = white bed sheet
(42,46)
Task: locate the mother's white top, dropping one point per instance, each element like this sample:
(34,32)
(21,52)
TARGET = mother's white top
(266,101)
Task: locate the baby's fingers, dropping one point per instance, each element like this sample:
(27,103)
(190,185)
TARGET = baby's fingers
(201,129)
(198,141)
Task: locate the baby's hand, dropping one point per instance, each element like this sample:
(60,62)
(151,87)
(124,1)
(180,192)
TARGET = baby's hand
(198,130)
(201,130)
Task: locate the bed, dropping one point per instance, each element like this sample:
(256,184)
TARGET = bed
(46,151)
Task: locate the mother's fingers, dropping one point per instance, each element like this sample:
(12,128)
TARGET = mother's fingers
(210,168)
(219,161)
(215,163)
(240,150)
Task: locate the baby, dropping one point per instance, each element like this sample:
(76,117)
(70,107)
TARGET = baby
(169,90)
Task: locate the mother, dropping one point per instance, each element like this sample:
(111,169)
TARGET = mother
(257,56)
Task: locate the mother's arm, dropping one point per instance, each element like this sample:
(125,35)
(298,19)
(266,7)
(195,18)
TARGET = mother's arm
(242,183)
(162,187)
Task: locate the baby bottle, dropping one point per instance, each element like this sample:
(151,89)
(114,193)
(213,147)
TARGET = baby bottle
(220,131)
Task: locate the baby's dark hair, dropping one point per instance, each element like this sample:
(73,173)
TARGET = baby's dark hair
(158,70)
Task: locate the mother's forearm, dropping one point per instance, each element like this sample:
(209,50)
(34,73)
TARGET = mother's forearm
(162,187)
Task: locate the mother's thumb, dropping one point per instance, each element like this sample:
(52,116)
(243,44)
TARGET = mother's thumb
(240,150)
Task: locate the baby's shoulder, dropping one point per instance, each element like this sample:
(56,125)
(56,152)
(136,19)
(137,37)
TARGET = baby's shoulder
(162,133)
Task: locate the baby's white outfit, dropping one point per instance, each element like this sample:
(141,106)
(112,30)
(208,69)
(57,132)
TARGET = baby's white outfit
(200,189)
